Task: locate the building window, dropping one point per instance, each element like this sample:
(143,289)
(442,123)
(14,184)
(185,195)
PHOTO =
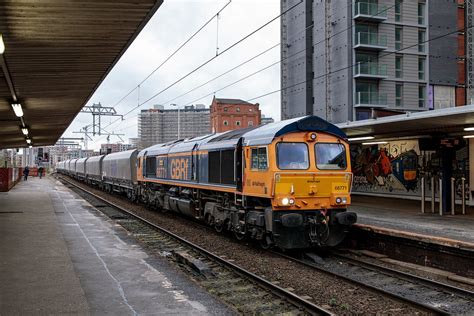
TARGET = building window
(398,10)
(421,13)
(421,68)
(237,109)
(398,94)
(250,123)
(398,66)
(226,123)
(237,123)
(421,96)
(398,38)
(225,109)
(421,40)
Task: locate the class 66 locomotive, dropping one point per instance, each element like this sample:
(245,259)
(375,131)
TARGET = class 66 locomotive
(285,184)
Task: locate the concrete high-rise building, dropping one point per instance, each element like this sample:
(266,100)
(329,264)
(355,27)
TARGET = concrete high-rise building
(159,125)
(351,60)
(134,142)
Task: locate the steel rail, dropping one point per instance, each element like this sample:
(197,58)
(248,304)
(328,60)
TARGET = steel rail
(277,290)
(408,276)
(419,305)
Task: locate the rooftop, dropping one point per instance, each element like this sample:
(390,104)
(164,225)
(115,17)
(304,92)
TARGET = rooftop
(231,101)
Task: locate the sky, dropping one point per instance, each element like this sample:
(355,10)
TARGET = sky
(173,23)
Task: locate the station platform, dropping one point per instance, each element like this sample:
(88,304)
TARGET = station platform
(403,218)
(58,257)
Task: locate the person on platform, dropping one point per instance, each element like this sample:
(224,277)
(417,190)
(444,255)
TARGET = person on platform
(40,172)
(26,172)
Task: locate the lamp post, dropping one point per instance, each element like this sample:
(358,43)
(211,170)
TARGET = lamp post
(174,104)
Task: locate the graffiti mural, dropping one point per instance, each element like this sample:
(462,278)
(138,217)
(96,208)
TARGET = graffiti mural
(397,168)
(387,168)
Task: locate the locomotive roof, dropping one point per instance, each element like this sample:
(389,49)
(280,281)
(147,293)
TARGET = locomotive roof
(265,134)
(261,135)
(234,134)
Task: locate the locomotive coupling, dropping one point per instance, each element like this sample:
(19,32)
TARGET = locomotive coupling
(346,218)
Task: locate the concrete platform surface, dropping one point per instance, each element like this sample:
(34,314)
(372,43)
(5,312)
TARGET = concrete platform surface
(60,256)
(405,216)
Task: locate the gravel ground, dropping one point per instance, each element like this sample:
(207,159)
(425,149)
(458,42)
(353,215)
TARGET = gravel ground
(336,295)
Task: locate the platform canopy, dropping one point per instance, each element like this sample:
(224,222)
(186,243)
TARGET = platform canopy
(442,122)
(57,52)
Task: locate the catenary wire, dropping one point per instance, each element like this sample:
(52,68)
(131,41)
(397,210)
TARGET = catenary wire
(282,59)
(248,76)
(354,65)
(252,58)
(174,53)
(209,61)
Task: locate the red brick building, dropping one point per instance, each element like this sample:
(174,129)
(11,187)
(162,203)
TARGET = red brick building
(229,114)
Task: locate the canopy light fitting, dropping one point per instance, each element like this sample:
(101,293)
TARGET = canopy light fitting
(28,141)
(468,136)
(360,138)
(469,129)
(375,143)
(24,130)
(17,109)
(2,45)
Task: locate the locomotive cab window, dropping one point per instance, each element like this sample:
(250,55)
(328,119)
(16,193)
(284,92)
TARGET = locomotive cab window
(330,156)
(259,159)
(292,156)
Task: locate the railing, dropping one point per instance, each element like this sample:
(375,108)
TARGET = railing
(370,69)
(370,9)
(371,98)
(370,39)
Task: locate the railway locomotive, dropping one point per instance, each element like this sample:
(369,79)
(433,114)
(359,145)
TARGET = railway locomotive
(285,184)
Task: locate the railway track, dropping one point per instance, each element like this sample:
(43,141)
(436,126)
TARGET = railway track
(432,296)
(422,294)
(244,291)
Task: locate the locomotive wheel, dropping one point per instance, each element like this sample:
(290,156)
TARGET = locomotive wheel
(219,227)
(239,236)
(266,242)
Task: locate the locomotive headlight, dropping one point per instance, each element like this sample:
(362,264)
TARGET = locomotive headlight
(285,201)
(291,201)
(338,200)
(311,137)
(344,200)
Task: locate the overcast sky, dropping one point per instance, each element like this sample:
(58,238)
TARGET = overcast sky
(173,23)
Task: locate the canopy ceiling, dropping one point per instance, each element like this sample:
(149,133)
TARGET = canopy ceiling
(57,52)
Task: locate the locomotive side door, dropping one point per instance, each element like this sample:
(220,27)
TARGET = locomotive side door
(194,163)
(239,170)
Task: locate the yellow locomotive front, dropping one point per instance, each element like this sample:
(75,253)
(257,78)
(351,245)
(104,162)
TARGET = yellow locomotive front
(307,177)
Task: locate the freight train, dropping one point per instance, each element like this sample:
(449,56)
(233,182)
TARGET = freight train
(285,184)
